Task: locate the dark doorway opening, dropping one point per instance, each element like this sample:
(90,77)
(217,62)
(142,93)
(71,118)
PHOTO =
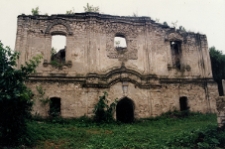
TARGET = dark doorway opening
(125,110)
(183,104)
(55,105)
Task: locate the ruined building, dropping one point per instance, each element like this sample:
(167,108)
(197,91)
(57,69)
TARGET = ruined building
(160,69)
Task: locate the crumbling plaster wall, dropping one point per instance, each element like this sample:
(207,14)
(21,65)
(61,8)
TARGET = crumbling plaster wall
(77,101)
(93,65)
(90,45)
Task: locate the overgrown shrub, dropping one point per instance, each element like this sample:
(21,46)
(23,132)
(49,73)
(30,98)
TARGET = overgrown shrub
(15,97)
(102,111)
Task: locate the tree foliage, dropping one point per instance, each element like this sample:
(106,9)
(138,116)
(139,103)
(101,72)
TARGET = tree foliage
(218,67)
(91,8)
(117,43)
(15,97)
(35,11)
(182,28)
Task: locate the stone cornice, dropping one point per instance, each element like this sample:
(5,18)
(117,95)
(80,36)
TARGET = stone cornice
(93,80)
(90,15)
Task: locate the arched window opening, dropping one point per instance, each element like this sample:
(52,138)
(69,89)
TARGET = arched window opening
(125,110)
(176,53)
(55,107)
(184,104)
(58,51)
(120,42)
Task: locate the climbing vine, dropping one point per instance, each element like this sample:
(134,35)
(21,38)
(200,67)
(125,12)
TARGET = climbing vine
(41,96)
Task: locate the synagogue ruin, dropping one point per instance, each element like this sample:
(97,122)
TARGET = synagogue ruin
(160,69)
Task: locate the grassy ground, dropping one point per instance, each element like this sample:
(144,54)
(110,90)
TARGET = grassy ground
(162,132)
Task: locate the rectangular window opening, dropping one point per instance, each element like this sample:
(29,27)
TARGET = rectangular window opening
(58,50)
(176,53)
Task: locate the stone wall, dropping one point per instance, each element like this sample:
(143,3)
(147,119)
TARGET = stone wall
(77,101)
(220,103)
(90,45)
(160,64)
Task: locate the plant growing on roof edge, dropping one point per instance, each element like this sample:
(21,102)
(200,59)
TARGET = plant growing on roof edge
(72,11)
(35,11)
(91,8)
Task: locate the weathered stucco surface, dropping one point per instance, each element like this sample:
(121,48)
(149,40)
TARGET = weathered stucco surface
(220,104)
(157,74)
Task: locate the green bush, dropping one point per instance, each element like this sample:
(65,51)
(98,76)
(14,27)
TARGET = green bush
(207,138)
(102,111)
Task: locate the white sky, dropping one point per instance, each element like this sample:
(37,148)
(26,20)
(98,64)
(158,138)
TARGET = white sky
(204,16)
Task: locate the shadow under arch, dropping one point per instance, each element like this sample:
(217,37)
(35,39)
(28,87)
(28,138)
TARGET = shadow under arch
(125,110)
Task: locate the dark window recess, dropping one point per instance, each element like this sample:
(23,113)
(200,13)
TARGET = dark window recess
(183,104)
(125,110)
(55,107)
(176,53)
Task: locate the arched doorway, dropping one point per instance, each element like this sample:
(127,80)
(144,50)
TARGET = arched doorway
(125,110)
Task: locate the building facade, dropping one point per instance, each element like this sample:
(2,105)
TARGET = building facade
(159,69)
